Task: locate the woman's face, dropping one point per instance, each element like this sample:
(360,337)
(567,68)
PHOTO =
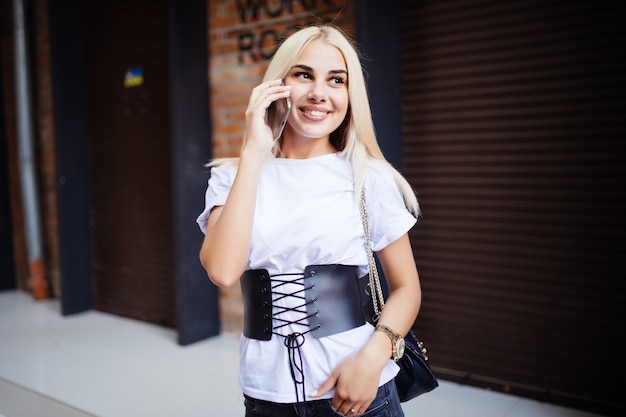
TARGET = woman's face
(319,92)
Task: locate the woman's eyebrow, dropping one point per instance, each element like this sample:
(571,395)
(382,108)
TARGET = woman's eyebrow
(307,68)
(302,67)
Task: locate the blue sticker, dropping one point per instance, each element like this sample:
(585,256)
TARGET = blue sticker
(133,77)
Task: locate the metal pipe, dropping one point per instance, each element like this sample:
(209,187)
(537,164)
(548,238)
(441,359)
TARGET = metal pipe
(28,178)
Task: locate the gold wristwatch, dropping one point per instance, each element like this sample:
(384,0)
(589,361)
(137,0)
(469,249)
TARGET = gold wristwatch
(397,341)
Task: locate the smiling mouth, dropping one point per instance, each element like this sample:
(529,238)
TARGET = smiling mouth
(315,113)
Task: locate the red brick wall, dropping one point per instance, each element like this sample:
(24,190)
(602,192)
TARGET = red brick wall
(44,141)
(243,35)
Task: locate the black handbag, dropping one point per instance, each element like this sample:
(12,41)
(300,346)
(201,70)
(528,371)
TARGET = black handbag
(415,376)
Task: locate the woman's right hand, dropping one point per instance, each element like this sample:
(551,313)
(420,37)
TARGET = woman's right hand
(258,135)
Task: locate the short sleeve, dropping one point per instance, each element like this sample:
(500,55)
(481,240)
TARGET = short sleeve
(218,188)
(387,214)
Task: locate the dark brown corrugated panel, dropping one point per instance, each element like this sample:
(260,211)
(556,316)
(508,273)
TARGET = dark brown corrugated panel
(131,190)
(513,123)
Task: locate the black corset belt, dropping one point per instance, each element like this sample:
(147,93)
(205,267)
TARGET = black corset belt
(324,300)
(332,301)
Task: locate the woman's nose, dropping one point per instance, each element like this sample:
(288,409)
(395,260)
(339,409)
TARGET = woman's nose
(317,92)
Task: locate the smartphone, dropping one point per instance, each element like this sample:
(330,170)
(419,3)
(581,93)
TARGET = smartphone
(277,115)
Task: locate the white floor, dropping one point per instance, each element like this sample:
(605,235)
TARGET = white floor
(97,364)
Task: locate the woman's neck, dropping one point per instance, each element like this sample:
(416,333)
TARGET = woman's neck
(306,149)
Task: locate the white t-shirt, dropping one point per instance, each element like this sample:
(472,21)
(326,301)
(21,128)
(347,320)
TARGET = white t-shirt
(306,214)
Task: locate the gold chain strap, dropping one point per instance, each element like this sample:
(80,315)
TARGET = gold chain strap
(375,289)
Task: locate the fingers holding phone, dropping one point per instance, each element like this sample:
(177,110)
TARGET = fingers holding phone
(277,115)
(267,112)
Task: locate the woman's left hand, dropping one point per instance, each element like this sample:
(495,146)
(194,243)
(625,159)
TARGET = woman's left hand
(356,378)
(356,383)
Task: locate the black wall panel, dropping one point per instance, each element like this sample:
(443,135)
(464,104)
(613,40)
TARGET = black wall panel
(130,159)
(513,136)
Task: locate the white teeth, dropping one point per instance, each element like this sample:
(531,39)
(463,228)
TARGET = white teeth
(316,113)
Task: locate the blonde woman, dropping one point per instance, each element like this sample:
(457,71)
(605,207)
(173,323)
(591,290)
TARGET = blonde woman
(283,221)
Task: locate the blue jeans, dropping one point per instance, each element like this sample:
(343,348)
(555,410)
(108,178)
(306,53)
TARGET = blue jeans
(386,404)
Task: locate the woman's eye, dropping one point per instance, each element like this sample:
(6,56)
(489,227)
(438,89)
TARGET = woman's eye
(304,75)
(337,80)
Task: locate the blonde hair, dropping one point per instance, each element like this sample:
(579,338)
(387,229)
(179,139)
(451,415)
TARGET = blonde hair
(355,138)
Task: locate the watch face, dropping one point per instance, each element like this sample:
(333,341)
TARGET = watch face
(400,348)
